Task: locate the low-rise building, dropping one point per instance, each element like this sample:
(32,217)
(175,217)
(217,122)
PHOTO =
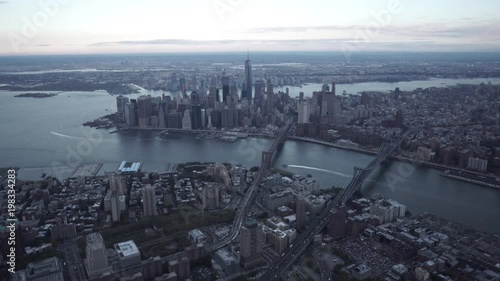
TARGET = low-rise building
(227,262)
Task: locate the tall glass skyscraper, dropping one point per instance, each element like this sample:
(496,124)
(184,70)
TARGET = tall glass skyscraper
(225,89)
(248,78)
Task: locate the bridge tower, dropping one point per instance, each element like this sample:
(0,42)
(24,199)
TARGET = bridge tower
(267,157)
(357,178)
(281,139)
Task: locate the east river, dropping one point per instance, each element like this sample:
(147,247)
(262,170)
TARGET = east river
(46,135)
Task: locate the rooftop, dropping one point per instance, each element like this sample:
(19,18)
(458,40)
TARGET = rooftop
(43,267)
(95,241)
(127,248)
(196,233)
(226,256)
(129,167)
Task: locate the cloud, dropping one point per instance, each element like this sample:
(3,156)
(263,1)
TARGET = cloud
(4,2)
(333,43)
(299,28)
(165,42)
(185,42)
(461,35)
(466,28)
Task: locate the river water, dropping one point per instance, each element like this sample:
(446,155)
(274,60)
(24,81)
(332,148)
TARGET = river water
(46,134)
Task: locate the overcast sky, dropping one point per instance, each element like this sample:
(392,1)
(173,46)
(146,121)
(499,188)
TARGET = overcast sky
(147,26)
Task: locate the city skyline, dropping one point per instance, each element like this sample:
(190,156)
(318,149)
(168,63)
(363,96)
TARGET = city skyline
(142,223)
(91,27)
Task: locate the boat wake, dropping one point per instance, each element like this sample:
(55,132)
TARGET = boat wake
(66,136)
(81,138)
(320,170)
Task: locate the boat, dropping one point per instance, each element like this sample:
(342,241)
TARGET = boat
(284,165)
(163,135)
(202,135)
(228,138)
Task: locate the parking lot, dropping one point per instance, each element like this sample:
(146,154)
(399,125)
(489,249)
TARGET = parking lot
(364,252)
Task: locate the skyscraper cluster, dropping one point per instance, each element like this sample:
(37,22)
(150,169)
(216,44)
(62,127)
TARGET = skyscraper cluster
(218,105)
(327,108)
(322,104)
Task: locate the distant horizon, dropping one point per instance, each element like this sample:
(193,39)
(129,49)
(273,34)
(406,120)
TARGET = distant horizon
(244,53)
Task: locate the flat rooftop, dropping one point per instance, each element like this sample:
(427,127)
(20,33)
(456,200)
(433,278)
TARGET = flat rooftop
(226,256)
(127,248)
(196,233)
(129,167)
(43,267)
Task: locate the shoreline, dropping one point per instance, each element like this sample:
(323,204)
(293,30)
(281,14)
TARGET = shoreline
(320,142)
(259,135)
(353,149)
(114,89)
(408,160)
(485,184)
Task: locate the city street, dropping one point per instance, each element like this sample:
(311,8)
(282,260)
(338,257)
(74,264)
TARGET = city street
(72,262)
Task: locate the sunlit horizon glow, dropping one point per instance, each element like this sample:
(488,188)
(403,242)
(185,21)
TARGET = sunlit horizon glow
(156,26)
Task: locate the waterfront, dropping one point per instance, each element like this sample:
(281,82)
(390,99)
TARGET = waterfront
(48,134)
(386,86)
(423,190)
(357,88)
(354,88)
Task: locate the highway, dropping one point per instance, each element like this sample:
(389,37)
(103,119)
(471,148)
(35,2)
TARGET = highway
(249,196)
(279,267)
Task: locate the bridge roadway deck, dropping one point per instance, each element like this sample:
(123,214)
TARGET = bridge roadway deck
(251,192)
